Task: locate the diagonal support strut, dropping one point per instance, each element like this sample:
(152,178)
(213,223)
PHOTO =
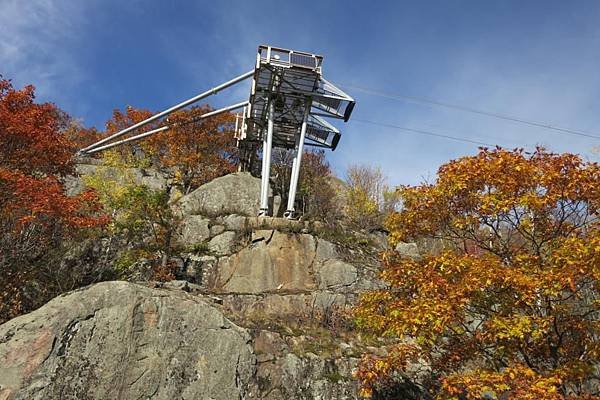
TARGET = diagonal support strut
(168,111)
(164,128)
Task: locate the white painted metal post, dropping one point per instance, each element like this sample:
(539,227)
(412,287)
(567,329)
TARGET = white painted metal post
(263,174)
(266,163)
(299,149)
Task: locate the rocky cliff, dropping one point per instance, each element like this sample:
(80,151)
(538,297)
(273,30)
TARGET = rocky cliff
(259,310)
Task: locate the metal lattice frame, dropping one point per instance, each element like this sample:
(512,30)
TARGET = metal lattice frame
(288,102)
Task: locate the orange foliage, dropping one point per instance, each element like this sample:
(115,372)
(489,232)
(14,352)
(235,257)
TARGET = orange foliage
(510,308)
(121,120)
(192,152)
(195,151)
(26,200)
(30,140)
(80,136)
(35,213)
(35,155)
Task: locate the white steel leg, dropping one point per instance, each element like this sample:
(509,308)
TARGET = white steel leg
(296,164)
(266,163)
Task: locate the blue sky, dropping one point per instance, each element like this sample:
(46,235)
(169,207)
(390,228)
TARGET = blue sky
(535,59)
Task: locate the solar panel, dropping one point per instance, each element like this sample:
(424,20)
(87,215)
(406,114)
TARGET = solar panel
(302,60)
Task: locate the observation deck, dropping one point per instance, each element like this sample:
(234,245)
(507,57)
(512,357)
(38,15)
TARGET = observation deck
(292,81)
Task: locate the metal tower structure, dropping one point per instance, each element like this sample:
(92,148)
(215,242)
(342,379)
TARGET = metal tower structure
(289,101)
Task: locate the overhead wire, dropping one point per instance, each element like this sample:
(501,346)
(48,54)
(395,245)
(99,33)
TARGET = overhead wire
(401,97)
(423,132)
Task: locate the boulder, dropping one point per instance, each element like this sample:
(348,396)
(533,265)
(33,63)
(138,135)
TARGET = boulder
(222,244)
(117,340)
(237,193)
(193,229)
(196,268)
(410,250)
(216,230)
(235,222)
(326,250)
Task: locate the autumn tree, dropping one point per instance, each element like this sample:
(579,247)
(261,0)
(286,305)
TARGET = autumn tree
(510,309)
(80,136)
(36,216)
(192,152)
(316,198)
(195,151)
(142,220)
(132,154)
(367,196)
(316,191)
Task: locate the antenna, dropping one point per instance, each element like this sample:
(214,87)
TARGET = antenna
(289,100)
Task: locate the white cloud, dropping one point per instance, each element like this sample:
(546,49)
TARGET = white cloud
(36,44)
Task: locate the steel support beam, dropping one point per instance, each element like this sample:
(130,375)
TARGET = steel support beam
(131,139)
(299,150)
(164,128)
(266,162)
(176,107)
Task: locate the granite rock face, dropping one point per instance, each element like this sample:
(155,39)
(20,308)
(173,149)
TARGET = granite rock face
(276,261)
(281,374)
(223,243)
(336,273)
(118,340)
(288,285)
(294,262)
(283,288)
